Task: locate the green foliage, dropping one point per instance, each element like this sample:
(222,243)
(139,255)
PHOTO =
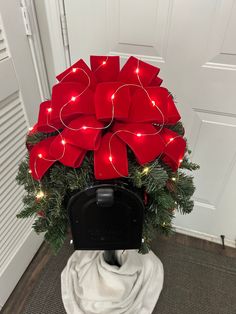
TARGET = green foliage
(165,191)
(186,164)
(155,179)
(35,138)
(152,176)
(178,128)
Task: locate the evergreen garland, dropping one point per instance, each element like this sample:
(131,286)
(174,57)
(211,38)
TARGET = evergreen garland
(165,192)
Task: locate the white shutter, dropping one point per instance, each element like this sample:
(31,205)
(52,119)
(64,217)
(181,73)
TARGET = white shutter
(18,243)
(3,47)
(13,127)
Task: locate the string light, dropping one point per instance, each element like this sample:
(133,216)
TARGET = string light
(112,97)
(73,98)
(110,158)
(74,70)
(84,128)
(31,128)
(145,170)
(101,64)
(173,179)
(40,194)
(171,139)
(63,142)
(40,155)
(139,134)
(153,103)
(137,71)
(30,171)
(180,160)
(49,109)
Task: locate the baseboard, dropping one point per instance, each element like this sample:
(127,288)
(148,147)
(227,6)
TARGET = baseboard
(204,236)
(18,264)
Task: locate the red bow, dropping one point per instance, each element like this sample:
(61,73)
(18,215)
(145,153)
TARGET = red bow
(104,110)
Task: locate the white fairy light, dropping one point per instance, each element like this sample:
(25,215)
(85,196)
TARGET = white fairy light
(40,194)
(145,170)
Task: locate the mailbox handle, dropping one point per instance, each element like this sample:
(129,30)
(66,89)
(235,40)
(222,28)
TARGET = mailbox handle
(105,197)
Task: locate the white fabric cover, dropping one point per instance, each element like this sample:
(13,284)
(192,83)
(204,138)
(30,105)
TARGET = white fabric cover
(91,286)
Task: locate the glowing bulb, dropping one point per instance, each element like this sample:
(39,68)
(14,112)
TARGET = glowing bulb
(73,98)
(40,155)
(110,158)
(49,109)
(142,240)
(171,139)
(153,103)
(104,62)
(173,179)
(84,128)
(139,134)
(137,71)
(40,194)
(180,160)
(63,142)
(31,128)
(113,96)
(145,170)
(74,70)
(30,171)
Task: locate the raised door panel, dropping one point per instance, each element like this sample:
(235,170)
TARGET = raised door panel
(131,32)
(221,52)
(212,139)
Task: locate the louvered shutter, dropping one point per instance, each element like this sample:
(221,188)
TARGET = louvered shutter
(3,48)
(18,243)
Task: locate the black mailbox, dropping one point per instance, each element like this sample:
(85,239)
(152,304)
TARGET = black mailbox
(106,217)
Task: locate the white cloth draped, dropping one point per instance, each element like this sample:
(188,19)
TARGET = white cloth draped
(91,286)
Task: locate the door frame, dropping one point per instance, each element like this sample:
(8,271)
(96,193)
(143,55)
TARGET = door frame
(34,39)
(52,27)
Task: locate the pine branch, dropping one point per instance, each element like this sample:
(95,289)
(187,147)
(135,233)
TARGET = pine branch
(186,164)
(35,138)
(56,234)
(155,179)
(26,213)
(178,128)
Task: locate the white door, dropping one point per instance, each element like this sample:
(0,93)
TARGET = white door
(19,99)
(194,44)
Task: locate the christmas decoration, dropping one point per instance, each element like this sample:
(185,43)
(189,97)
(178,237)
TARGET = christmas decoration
(106,124)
